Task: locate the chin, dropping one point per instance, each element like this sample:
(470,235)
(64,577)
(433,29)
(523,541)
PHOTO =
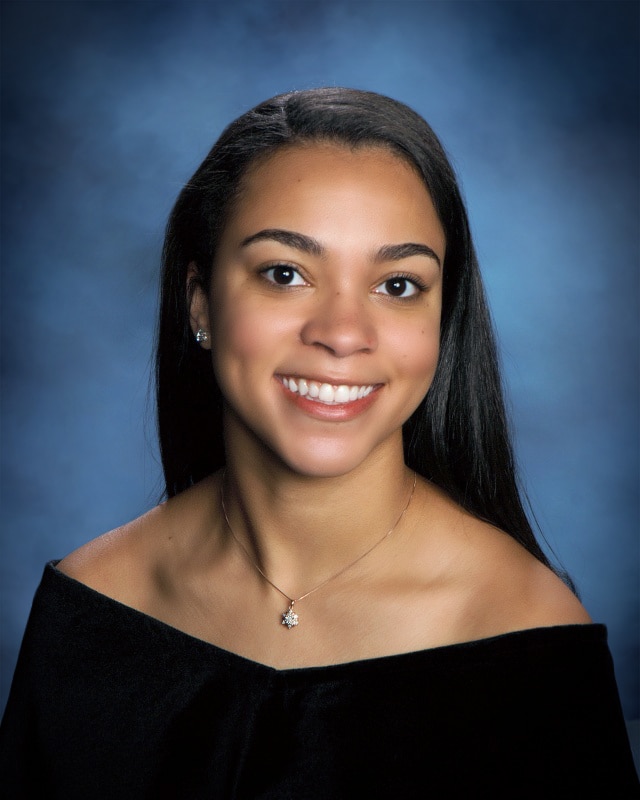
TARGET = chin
(324,460)
(325,470)
(321,471)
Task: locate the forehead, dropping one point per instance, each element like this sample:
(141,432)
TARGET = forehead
(315,164)
(331,188)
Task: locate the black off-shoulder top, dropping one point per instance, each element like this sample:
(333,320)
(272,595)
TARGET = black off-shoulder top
(110,703)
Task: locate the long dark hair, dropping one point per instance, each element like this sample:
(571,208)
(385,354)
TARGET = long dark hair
(458,437)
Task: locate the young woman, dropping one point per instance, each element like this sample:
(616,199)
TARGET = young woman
(342,595)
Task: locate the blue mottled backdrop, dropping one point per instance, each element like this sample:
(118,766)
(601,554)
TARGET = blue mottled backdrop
(108,107)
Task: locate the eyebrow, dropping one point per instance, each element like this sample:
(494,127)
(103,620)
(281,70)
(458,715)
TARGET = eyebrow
(396,252)
(389,252)
(289,238)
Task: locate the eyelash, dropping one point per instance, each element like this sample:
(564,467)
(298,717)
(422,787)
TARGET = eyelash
(264,273)
(419,285)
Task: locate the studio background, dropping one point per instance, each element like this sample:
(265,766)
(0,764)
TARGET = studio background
(108,108)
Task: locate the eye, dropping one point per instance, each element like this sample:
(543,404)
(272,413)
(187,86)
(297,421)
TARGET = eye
(284,275)
(400,286)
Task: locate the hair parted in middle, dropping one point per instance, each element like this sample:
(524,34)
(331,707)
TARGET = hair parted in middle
(458,436)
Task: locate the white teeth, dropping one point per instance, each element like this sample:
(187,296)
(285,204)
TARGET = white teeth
(325,392)
(341,394)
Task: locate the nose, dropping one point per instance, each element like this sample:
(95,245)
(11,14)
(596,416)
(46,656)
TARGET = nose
(341,325)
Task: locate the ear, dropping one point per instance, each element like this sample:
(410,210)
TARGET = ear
(198,306)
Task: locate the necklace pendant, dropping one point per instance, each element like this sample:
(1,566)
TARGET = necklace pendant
(290,618)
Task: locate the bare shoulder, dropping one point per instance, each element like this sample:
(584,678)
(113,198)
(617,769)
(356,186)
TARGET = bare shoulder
(546,598)
(491,584)
(116,563)
(514,589)
(125,563)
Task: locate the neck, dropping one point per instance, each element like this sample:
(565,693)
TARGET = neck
(300,530)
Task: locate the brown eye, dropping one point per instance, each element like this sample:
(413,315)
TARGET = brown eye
(284,275)
(398,287)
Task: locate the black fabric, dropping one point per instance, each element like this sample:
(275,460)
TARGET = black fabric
(110,703)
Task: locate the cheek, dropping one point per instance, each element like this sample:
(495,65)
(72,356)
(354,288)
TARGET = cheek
(241,337)
(246,332)
(418,350)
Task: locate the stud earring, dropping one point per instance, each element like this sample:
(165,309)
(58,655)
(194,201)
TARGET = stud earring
(202,335)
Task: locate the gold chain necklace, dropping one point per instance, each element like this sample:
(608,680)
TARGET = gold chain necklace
(289,617)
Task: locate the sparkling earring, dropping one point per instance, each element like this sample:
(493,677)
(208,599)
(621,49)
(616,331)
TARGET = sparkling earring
(202,335)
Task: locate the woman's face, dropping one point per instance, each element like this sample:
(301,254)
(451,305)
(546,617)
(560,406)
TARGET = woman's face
(324,308)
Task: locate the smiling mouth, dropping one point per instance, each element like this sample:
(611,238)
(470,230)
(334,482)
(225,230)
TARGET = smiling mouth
(326,393)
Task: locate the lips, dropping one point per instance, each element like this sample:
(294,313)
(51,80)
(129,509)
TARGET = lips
(326,393)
